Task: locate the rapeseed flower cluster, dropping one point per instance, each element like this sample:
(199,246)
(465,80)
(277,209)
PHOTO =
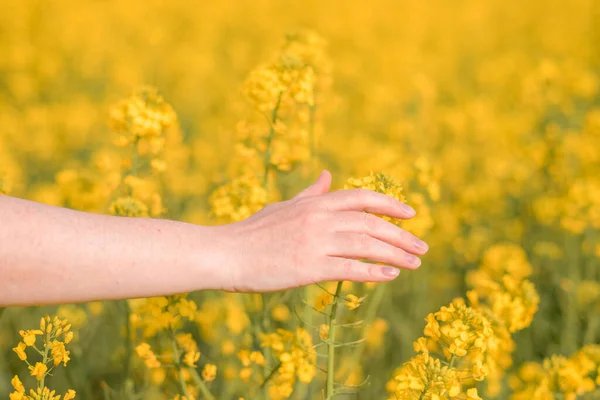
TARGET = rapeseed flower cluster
(296,360)
(475,342)
(48,343)
(559,377)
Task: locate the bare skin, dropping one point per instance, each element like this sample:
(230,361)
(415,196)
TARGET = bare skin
(54,255)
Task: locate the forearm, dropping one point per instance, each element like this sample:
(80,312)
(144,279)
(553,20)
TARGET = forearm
(55,255)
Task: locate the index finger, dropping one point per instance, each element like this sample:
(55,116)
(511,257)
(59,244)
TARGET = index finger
(366,200)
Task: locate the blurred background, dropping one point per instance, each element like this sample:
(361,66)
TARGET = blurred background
(487,111)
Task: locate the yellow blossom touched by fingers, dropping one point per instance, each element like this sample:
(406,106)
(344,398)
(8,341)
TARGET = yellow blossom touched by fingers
(380,183)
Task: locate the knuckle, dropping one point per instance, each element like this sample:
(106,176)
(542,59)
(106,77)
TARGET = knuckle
(360,194)
(406,237)
(311,216)
(371,270)
(347,266)
(363,242)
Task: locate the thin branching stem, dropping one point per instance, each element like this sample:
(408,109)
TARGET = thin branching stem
(331,345)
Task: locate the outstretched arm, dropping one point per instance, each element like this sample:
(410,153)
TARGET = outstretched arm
(55,255)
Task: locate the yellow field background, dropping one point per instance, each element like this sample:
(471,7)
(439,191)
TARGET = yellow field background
(487,113)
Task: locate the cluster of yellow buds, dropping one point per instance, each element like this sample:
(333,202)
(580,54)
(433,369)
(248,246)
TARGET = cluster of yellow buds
(188,345)
(297,359)
(268,85)
(87,189)
(238,199)
(474,340)
(559,377)
(457,331)
(55,334)
(128,206)
(248,360)
(582,206)
(283,134)
(38,394)
(306,47)
(503,294)
(156,314)
(158,319)
(145,121)
(145,116)
(145,352)
(458,335)
(426,377)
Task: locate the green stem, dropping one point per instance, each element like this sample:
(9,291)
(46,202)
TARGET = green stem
(331,342)
(271,375)
(264,321)
(452,359)
(201,384)
(41,382)
(135,157)
(374,303)
(177,361)
(128,344)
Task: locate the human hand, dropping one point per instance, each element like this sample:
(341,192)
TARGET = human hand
(321,236)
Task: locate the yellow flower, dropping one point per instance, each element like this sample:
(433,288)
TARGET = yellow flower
(70,395)
(144,351)
(281,313)
(29,336)
(257,357)
(17,395)
(323,300)
(128,207)
(425,375)
(17,384)
(353,302)
(144,115)
(380,183)
(238,199)
(209,372)
(306,372)
(59,353)
(68,337)
(472,394)
(324,331)
(245,374)
(190,358)
(39,370)
(20,350)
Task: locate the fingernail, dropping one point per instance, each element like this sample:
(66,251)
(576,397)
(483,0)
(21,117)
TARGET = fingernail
(413,260)
(409,210)
(390,272)
(421,245)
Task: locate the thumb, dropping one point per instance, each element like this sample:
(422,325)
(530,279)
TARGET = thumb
(321,186)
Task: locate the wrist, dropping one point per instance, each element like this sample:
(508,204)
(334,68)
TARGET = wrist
(215,262)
